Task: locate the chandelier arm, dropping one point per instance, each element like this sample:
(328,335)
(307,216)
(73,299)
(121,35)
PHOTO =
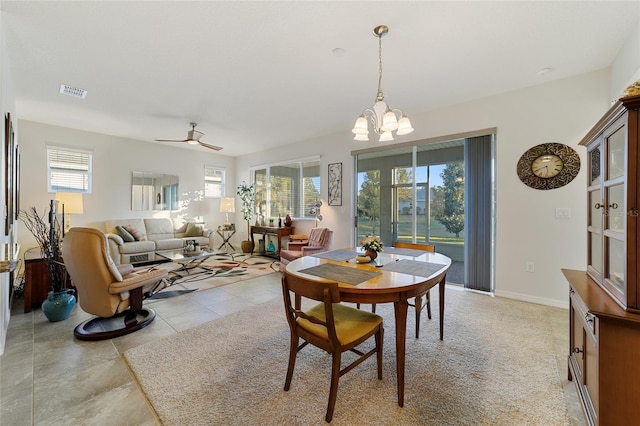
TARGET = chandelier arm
(371,115)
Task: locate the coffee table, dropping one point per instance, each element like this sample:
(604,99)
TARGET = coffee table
(187,261)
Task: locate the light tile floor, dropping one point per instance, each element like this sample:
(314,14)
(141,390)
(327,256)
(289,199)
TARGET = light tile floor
(47,377)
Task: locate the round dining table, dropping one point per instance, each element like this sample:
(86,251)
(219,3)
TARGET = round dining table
(385,286)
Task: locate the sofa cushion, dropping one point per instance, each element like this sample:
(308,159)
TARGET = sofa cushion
(126,236)
(138,235)
(159,228)
(193,230)
(179,226)
(137,246)
(110,225)
(169,244)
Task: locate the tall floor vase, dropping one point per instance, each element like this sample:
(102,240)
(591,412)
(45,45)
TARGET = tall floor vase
(58,305)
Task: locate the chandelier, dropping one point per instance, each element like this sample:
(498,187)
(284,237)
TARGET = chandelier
(384,119)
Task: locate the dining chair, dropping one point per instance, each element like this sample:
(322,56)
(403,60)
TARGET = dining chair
(330,326)
(418,305)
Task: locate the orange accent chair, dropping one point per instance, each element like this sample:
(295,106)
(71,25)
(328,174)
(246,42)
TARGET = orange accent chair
(319,241)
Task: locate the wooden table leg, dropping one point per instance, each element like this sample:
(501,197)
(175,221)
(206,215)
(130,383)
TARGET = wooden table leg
(400,309)
(441,291)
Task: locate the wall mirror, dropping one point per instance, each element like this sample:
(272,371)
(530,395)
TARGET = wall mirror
(154,191)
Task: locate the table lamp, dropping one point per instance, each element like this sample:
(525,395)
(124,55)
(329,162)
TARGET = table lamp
(227,205)
(71,204)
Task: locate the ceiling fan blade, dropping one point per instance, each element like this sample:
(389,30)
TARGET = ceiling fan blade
(171,140)
(206,145)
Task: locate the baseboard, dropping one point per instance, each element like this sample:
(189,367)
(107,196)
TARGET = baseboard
(564,304)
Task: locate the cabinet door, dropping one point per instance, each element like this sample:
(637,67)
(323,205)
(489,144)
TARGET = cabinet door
(590,371)
(614,143)
(595,241)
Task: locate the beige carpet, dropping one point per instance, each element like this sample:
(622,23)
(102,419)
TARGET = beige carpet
(496,366)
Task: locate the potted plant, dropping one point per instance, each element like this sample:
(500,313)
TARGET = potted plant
(248,198)
(372,246)
(60,300)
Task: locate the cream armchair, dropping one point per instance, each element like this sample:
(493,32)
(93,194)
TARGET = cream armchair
(319,241)
(113,293)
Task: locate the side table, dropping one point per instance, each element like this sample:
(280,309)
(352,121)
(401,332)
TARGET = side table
(36,280)
(270,230)
(226,235)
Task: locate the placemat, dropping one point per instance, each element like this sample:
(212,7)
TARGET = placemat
(336,255)
(403,251)
(413,267)
(343,274)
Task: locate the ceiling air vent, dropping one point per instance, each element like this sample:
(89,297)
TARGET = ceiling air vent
(73,91)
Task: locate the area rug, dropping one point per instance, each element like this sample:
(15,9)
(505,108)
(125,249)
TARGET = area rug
(496,366)
(216,271)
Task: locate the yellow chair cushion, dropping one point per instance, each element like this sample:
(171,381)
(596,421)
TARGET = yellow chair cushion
(351,323)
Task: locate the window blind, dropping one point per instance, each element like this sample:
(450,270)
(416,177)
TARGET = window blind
(69,170)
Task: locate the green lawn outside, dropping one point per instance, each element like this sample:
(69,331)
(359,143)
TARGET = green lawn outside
(438,232)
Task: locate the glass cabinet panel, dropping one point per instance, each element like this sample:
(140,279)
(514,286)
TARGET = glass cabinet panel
(615,208)
(615,157)
(594,166)
(615,257)
(595,251)
(595,209)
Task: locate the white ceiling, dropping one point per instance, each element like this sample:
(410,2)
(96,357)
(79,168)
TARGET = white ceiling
(255,75)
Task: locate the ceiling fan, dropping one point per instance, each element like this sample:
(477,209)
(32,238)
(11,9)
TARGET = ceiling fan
(193,138)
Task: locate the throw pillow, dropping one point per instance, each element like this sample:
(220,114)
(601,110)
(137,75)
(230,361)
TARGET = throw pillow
(135,233)
(126,236)
(193,230)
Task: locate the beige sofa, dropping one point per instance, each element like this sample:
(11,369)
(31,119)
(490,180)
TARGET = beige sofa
(155,234)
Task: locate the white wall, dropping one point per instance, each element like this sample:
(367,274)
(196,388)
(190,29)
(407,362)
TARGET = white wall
(7,102)
(526,230)
(114,159)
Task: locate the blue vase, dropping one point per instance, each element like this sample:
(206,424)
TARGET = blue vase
(58,305)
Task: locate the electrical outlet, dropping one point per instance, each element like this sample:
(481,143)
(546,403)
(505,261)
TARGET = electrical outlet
(529,267)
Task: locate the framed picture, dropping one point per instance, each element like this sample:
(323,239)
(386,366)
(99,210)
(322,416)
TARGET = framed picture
(16,181)
(335,184)
(9,174)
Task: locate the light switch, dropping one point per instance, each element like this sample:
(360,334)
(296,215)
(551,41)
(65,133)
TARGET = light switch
(563,213)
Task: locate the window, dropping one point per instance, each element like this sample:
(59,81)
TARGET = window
(287,188)
(68,170)
(214,180)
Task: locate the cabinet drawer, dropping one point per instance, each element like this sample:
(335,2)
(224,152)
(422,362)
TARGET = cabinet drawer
(589,321)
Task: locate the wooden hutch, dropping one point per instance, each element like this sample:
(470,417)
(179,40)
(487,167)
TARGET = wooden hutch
(604,359)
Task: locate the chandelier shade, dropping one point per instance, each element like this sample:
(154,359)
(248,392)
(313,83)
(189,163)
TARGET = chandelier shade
(384,119)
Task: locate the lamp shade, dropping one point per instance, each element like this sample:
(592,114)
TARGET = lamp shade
(227,205)
(72,201)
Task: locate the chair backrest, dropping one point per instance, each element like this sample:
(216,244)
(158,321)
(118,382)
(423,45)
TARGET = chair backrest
(92,271)
(416,246)
(320,290)
(319,237)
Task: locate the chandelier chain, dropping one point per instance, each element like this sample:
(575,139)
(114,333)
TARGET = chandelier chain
(379,66)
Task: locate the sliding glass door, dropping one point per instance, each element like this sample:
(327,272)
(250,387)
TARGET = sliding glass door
(416,193)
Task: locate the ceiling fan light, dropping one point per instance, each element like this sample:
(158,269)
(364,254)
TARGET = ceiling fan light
(192,142)
(389,122)
(404,126)
(386,136)
(361,137)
